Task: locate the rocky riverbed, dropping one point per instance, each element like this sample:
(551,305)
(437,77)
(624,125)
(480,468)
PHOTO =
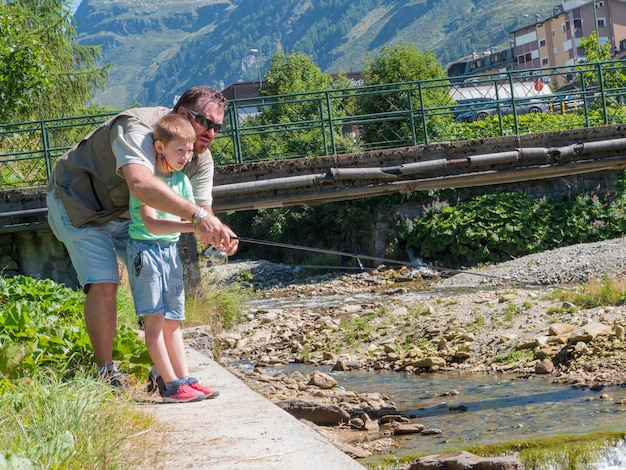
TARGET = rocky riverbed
(519,317)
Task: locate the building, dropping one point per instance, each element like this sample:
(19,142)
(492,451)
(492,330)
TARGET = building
(555,42)
(491,61)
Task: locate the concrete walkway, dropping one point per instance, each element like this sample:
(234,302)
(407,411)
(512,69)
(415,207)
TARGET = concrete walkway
(241,430)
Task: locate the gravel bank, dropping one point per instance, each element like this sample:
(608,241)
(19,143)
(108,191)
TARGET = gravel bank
(574,264)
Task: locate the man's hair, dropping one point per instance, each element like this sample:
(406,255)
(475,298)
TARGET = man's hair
(197,93)
(173,126)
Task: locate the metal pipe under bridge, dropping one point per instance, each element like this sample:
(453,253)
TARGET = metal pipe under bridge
(319,180)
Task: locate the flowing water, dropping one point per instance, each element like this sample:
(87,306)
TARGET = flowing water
(488,408)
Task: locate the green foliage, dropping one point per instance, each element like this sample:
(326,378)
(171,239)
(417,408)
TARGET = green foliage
(574,452)
(612,78)
(52,423)
(399,64)
(344,226)
(220,307)
(43,71)
(497,227)
(42,327)
(606,291)
(292,126)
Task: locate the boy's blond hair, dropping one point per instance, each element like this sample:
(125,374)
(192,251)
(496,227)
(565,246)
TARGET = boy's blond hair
(173,126)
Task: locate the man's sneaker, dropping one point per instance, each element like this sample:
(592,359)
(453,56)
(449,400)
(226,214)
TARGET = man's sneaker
(183,394)
(113,377)
(208,392)
(155,382)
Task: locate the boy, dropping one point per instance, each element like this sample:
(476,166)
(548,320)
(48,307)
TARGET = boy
(154,267)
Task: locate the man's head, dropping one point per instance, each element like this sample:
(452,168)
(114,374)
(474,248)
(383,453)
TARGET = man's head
(204,107)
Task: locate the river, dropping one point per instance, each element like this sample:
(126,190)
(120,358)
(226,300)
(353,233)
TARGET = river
(491,409)
(480,409)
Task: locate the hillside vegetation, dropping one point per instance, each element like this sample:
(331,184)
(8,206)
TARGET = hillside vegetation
(157,49)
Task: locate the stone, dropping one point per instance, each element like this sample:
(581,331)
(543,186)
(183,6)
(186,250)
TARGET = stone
(321,380)
(369,424)
(588,333)
(558,329)
(465,461)
(316,412)
(544,366)
(403,429)
(430,362)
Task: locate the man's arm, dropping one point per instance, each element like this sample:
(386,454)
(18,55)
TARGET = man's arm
(155,193)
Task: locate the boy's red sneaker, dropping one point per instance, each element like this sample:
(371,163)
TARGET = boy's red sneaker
(206,391)
(183,394)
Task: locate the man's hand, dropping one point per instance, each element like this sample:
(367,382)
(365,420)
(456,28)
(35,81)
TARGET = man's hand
(212,231)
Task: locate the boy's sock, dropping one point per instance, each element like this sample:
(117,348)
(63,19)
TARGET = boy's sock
(171,387)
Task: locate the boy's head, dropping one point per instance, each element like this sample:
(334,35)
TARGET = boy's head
(174,138)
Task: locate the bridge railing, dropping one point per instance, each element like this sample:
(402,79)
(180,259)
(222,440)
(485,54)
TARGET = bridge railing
(349,120)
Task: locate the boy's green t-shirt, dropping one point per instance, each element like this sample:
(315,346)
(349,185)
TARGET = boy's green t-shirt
(179,182)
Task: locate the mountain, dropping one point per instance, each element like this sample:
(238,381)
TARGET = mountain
(157,49)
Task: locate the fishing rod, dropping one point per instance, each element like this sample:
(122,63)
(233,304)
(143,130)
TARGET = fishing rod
(358,257)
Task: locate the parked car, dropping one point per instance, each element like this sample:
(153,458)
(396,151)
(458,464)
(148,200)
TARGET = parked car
(504,107)
(465,105)
(564,103)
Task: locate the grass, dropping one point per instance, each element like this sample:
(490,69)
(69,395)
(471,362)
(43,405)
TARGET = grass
(558,453)
(54,420)
(51,423)
(219,307)
(608,291)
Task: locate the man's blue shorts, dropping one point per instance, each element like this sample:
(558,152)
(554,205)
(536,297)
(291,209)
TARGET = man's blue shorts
(93,250)
(155,273)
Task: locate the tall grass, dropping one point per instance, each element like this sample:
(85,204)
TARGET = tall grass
(51,423)
(217,306)
(604,292)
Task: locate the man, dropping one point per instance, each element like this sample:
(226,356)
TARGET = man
(88,197)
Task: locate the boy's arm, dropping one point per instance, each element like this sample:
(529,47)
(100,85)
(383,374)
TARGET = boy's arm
(163,226)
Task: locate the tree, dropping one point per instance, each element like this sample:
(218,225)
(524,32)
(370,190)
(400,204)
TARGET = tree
(401,66)
(602,76)
(302,115)
(44,72)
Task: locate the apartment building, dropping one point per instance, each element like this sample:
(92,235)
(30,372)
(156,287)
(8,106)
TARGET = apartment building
(555,41)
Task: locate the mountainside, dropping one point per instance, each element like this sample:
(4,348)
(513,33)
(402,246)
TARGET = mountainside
(157,49)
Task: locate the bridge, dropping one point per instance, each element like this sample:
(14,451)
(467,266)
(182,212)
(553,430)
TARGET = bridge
(359,154)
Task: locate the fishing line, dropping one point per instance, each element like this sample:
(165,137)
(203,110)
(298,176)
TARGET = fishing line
(358,257)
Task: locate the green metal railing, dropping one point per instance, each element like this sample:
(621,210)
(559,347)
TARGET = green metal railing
(363,118)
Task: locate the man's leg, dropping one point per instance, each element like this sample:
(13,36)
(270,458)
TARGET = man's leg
(93,254)
(101,320)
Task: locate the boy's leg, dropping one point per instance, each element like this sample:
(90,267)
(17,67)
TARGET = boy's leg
(175,347)
(157,347)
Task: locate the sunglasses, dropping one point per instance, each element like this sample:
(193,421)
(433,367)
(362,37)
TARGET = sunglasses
(204,121)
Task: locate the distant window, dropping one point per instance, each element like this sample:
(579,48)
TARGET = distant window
(601,22)
(578,23)
(622,45)
(599,4)
(542,43)
(544,61)
(476,64)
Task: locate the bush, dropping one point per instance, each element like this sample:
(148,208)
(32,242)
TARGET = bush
(502,226)
(42,326)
